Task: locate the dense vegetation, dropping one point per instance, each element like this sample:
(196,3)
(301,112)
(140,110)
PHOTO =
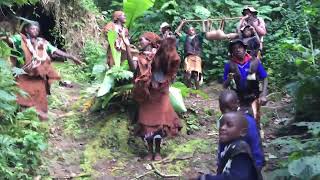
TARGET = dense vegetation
(291,55)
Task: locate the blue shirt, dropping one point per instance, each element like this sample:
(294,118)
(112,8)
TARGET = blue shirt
(242,168)
(244,71)
(254,141)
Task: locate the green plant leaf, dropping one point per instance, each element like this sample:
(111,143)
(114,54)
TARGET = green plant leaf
(106,85)
(305,167)
(202,12)
(135,8)
(112,37)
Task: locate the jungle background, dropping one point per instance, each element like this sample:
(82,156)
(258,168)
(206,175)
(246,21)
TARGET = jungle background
(90,135)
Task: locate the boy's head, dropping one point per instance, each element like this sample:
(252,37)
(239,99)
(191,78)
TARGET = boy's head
(247,31)
(191,31)
(237,48)
(228,101)
(233,125)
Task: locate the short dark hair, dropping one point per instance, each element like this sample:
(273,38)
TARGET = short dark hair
(236,41)
(240,117)
(225,94)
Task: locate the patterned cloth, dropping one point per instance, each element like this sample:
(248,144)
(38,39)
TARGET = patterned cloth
(39,76)
(193,63)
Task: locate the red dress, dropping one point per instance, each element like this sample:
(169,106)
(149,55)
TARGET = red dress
(155,110)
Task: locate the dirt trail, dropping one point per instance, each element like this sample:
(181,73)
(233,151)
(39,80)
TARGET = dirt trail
(80,147)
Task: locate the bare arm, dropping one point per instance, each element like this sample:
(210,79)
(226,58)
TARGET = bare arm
(132,64)
(63,54)
(227,82)
(264,92)
(260,27)
(177,31)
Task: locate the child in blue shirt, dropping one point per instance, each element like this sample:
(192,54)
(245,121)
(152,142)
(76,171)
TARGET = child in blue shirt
(235,161)
(229,102)
(243,74)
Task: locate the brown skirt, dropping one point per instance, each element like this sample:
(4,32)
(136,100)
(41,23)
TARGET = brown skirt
(157,114)
(37,89)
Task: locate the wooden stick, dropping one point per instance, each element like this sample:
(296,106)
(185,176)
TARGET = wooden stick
(216,19)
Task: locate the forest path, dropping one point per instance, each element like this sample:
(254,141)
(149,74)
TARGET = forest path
(101,146)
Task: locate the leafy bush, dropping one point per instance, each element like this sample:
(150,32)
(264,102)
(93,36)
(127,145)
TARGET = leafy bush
(23,137)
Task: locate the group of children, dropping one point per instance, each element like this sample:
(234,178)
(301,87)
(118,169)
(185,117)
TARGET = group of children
(240,155)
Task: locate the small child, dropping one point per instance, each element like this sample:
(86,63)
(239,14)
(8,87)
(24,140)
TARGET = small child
(229,102)
(235,161)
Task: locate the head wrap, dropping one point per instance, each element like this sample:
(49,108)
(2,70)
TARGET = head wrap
(152,37)
(116,15)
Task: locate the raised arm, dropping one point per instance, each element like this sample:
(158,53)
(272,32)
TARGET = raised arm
(177,31)
(260,27)
(132,64)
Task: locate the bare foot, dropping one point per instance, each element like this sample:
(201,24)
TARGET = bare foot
(148,157)
(157,157)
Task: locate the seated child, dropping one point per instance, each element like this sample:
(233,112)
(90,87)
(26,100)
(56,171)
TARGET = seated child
(229,102)
(235,161)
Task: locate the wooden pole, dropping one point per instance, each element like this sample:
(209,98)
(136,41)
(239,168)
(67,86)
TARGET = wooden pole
(216,19)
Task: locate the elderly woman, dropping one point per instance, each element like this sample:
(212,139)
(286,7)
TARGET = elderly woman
(155,67)
(35,52)
(119,20)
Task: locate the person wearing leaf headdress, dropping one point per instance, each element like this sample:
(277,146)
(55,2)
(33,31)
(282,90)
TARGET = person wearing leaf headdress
(155,67)
(118,25)
(34,58)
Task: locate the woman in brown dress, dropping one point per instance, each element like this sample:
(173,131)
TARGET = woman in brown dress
(36,63)
(155,67)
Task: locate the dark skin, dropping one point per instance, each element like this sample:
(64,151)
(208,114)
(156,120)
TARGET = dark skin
(239,51)
(33,32)
(229,103)
(145,46)
(233,125)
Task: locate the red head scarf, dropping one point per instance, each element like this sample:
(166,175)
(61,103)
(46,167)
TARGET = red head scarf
(153,38)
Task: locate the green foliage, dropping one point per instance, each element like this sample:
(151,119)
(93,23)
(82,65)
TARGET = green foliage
(17,2)
(135,8)
(21,145)
(305,167)
(112,37)
(89,5)
(185,91)
(22,138)
(94,55)
(7,92)
(192,123)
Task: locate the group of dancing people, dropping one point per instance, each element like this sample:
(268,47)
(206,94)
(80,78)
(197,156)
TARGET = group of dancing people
(155,66)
